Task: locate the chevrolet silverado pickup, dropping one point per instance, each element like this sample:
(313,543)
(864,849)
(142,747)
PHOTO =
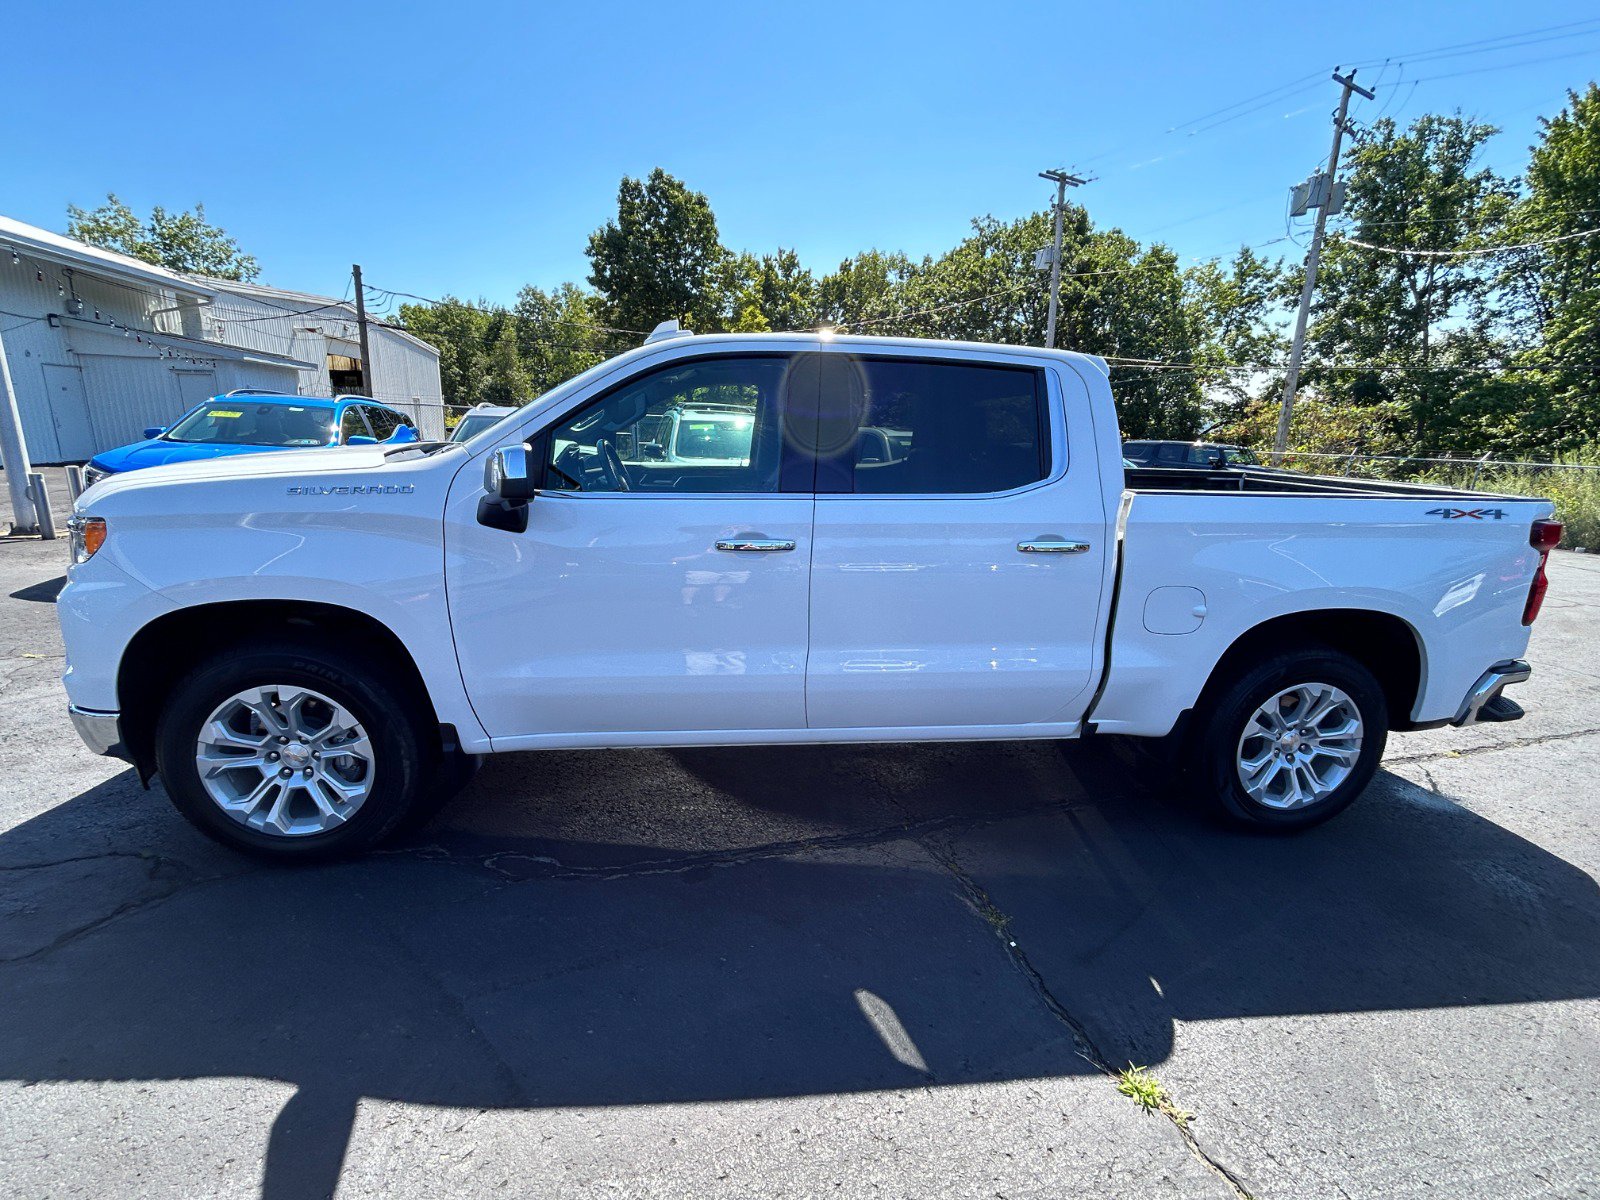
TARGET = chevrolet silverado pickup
(312,650)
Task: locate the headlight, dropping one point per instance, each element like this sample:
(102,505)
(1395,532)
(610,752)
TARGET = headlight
(88,534)
(93,475)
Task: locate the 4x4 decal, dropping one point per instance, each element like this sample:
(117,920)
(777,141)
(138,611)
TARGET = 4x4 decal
(1477,514)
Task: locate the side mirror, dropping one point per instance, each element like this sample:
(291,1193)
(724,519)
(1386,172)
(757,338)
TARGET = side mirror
(360,439)
(508,475)
(155,431)
(1214,459)
(653,450)
(403,434)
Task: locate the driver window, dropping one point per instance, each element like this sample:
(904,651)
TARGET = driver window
(709,426)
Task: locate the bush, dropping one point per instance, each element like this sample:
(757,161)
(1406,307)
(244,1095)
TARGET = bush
(1575,493)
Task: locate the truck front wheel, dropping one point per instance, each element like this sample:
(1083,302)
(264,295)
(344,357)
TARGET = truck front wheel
(1291,741)
(292,752)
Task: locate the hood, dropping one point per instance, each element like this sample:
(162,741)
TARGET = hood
(295,464)
(158,452)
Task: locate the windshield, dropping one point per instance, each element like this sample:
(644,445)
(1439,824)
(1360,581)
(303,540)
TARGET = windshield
(236,422)
(717,436)
(473,424)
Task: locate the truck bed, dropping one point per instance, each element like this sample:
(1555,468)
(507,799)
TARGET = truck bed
(1205,555)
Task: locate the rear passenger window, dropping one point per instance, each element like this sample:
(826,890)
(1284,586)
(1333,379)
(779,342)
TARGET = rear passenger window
(383,421)
(932,428)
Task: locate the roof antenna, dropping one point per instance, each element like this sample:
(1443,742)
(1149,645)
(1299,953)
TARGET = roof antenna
(668,329)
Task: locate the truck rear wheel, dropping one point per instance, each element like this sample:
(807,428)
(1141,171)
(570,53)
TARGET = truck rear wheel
(1291,741)
(292,752)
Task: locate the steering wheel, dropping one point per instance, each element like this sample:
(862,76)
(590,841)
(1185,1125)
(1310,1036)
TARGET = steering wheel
(612,462)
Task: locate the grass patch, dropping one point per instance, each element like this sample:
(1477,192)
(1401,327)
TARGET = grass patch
(1150,1094)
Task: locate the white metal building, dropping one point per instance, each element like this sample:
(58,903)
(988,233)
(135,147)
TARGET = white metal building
(101,345)
(323,332)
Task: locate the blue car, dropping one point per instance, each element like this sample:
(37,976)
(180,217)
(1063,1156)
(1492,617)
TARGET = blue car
(248,422)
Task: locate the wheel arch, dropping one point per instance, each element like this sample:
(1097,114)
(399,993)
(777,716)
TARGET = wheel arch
(149,668)
(1386,644)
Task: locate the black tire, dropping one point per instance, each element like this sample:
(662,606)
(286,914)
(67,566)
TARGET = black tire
(452,772)
(1221,716)
(404,747)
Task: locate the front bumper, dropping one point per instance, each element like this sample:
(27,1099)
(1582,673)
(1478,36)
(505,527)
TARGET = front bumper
(100,731)
(1484,702)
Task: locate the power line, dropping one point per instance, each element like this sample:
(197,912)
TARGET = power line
(1489,44)
(1525,62)
(1555,212)
(547,320)
(1567,237)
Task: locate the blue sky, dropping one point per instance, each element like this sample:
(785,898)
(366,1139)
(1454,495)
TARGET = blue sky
(469,148)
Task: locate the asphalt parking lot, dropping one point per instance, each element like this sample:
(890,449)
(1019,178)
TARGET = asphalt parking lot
(858,971)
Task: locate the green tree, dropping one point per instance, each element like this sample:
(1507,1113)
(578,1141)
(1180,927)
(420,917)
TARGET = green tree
(506,380)
(1236,313)
(179,241)
(786,292)
(460,331)
(1425,325)
(862,294)
(659,258)
(1557,284)
(559,334)
(1118,300)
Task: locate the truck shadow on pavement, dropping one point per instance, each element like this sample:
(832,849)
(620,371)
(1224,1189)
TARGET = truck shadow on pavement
(645,927)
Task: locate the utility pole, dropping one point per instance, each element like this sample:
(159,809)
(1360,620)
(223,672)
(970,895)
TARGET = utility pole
(1063,181)
(361,321)
(1313,258)
(14,454)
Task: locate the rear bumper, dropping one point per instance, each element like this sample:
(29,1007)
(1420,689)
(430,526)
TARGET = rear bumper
(1488,689)
(100,731)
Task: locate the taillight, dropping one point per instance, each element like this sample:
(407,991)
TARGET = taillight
(1544,537)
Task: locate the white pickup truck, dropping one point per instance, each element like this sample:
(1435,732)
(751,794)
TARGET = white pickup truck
(919,541)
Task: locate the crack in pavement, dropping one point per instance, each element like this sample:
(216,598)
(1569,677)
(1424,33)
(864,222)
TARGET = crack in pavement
(1469,751)
(545,867)
(154,859)
(984,907)
(126,908)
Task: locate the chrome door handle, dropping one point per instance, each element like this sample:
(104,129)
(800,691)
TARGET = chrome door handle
(757,545)
(1052,546)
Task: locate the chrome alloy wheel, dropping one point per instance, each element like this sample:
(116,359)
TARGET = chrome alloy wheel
(285,760)
(1299,746)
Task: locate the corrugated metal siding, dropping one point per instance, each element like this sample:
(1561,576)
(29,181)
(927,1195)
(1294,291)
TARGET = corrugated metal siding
(406,376)
(130,385)
(402,373)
